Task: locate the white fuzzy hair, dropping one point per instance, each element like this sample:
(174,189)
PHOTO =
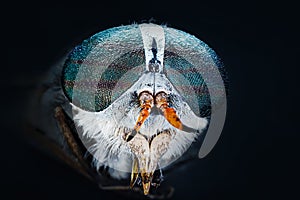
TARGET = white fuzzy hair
(101,132)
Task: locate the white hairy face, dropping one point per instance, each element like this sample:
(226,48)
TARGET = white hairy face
(157,143)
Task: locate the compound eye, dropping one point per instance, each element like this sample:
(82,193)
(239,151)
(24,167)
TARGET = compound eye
(103,67)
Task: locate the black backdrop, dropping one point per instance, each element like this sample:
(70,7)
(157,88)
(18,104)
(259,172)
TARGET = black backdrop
(257,154)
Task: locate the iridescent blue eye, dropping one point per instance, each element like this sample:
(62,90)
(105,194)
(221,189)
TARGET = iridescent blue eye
(108,63)
(101,62)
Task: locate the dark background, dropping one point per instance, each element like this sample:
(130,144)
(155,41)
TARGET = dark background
(257,155)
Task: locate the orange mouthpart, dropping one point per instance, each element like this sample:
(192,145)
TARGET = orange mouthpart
(145,112)
(146,103)
(172,118)
(169,113)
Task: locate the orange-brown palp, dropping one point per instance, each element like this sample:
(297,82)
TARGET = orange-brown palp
(169,113)
(146,103)
(145,112)
(171,116)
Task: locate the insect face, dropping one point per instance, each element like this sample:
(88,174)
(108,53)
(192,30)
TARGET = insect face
(135,98)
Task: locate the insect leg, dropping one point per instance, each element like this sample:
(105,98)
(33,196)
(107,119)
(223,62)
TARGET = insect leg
(75,149)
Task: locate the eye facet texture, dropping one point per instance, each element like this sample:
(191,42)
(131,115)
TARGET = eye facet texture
(105,65)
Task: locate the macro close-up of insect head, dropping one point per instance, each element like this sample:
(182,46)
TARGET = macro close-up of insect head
(130,103)
(150,100)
